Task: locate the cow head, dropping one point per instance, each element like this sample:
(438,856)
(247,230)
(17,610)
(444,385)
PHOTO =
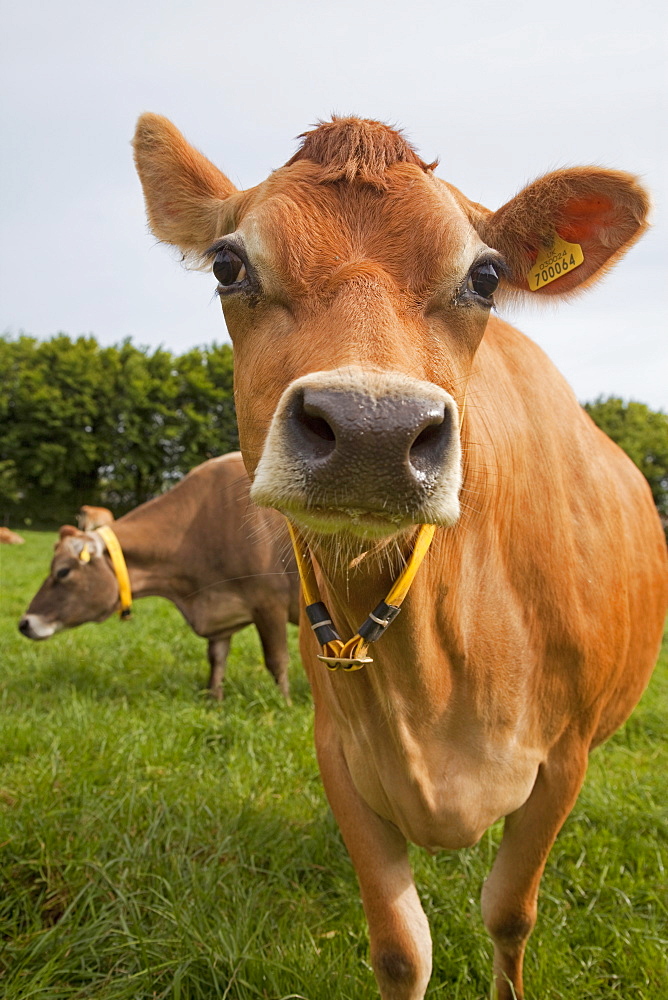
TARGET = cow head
(356,287)
(81,587)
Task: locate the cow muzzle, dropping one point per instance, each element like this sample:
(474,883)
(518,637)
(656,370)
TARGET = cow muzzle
(35,627)
(366,452)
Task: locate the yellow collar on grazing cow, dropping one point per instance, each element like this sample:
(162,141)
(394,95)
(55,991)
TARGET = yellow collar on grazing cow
(120,569)
(352,655)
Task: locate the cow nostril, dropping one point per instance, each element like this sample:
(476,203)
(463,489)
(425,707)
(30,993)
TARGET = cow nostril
(24,626)
(317,426)
(428,449)
(315,433)
(426,438)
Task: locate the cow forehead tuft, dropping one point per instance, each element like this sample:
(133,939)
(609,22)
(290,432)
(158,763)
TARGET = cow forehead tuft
(356,150)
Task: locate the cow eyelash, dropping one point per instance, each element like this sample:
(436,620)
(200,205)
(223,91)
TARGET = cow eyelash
(482,281)
(231,268)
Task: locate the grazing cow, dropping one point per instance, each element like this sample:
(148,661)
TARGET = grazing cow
(378,396)
(204,546)
(8,537)
(90,518)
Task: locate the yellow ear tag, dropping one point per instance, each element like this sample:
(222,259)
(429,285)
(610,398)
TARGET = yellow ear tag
(85,555)
(553,262)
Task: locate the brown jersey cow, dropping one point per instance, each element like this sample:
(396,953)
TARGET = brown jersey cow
(90,518)
(8,537)
(204,546)
(376,393)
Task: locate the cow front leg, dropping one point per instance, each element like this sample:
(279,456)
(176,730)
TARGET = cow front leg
(510,893)
(398,930)
(272,626)
(217,653)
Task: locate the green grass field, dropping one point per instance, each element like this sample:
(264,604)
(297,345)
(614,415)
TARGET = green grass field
(153,844)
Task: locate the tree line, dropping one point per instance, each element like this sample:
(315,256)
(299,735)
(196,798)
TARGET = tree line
(110,426)
(115,426)
(643,434)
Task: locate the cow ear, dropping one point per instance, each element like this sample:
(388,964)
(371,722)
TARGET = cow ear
(562,233)
(84,545)
(189,202)
(92,544)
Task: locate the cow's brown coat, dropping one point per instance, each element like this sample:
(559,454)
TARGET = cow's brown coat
(204,546)
(89,518)
(533,625)
(8,537)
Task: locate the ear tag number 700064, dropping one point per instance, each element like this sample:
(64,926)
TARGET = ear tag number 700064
(553,262)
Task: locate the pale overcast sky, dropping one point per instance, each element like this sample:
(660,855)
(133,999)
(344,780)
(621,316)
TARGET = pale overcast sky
(500,92)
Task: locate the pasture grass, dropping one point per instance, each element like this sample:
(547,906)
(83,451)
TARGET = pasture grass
(156,845)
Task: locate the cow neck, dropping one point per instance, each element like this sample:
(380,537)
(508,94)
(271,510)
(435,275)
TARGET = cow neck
(120,569)
(353,654)
(150,545)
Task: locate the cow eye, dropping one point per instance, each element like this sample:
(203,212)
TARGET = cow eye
(62,573)
(228,268)
(483,280)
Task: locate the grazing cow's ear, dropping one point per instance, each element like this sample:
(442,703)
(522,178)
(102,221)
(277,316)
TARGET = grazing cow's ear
(189,202)
(565,230)
(77,541)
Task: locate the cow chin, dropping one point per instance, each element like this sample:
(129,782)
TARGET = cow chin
(359,524)
(363,454)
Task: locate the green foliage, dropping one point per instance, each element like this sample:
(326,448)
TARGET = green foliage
(643,435)
(9,483)
(113,426)
(204,404)
(80,423)
(156,845)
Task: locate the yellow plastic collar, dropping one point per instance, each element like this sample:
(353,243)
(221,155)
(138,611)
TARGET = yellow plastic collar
(352,655)
(120,569)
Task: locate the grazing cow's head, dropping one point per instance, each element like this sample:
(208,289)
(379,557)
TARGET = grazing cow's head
(356,287)
(81,587)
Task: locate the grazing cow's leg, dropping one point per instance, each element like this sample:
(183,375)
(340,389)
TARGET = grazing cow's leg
(398,929)
(217,653)
(509,896)
(271,623)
